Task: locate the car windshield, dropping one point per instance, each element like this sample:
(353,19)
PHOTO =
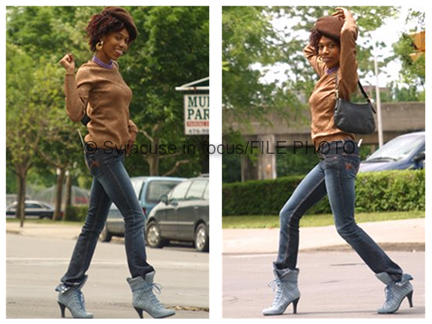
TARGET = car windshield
(196,190)
(179,192)
(396,149)
(137,185)
(158,188)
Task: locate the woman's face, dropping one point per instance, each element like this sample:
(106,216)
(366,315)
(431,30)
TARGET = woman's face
(329,51)
(115,45)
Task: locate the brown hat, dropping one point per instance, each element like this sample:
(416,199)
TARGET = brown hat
(330,26)
(125,17)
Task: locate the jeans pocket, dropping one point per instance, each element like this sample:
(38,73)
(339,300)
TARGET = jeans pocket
(351,163)
(93,163)
(332,161)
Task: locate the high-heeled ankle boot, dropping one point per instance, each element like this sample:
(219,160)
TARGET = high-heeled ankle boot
(143,297)
(395,292)
(72,298)
(287,292)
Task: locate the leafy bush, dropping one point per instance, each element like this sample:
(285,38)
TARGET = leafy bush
(76,213)
(400,190)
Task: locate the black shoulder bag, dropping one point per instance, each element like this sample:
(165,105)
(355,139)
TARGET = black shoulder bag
(86,119)
(352,117)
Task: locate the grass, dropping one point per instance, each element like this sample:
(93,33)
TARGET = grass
(272,221)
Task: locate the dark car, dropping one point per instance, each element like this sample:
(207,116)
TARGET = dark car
(148,190)
(33,208)
(182,215)
(403,152)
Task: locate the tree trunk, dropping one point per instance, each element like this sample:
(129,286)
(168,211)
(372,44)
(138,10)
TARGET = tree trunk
(153,158)
(59,190)
(21,196)
(153,161)
(68,194)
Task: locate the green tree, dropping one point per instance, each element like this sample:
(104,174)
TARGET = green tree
(171,49)
(58,145)
(412,72)
(23,119)
(249,41)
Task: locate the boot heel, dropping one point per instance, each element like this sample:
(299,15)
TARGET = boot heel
(139,311)
(295,302)
(409,296)
(62,309)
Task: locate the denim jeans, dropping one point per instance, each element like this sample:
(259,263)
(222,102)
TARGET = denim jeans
(111,183)
(333,176)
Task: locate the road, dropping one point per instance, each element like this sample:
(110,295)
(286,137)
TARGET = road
(34,265)
(333,284)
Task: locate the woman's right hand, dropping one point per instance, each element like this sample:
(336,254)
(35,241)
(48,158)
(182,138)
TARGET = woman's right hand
(68,63)
(341,12)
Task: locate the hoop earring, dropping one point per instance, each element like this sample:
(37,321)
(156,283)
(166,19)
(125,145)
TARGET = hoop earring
(99,45)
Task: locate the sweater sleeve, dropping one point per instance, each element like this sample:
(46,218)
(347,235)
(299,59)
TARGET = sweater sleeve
(347,74)
(77,93)
(312,57)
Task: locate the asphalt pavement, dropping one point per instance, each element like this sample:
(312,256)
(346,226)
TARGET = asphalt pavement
(38,255)
(333,284)
(333,281)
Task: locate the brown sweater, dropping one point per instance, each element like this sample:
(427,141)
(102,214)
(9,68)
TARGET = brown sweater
(322,100)
(106,97)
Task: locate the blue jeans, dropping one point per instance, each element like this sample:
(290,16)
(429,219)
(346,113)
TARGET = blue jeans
(111,183)
(333,176)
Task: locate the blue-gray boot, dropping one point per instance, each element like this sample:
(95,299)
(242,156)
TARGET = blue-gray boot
(73,299)
(395,292)
(287,291)
(143,297)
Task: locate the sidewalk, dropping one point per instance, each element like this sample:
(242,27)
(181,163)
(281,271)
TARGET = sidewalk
(408,234)
(45,230)
(404,235)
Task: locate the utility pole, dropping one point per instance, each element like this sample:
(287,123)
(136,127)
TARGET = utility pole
(378,98)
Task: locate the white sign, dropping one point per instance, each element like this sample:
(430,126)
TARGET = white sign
(196,114)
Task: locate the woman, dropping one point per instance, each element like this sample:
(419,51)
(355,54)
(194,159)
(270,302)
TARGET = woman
(100,92)
(332,52)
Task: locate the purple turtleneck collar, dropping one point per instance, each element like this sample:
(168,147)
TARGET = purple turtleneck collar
(103,64)
(332,70)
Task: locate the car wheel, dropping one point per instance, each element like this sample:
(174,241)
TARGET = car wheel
(153,237)
(202,238)
(105,235)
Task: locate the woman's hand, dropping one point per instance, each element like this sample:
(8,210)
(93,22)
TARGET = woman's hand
(68,63)
(341,12)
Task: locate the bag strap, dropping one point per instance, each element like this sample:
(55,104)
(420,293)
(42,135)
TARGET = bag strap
(361,89)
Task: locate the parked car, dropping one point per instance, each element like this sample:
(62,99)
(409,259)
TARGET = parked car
(182,215)
(148,191)
(402,152)
(32,208)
